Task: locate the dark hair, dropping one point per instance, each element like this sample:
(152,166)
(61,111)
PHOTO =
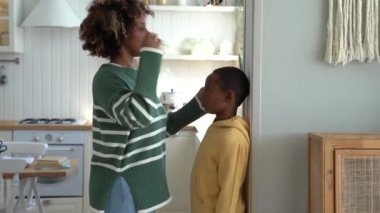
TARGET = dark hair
(106,24)
(234,79)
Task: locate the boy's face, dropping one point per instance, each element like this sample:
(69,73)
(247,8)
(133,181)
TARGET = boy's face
(213,98)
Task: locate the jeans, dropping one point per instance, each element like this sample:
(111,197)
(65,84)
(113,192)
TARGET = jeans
(121,200)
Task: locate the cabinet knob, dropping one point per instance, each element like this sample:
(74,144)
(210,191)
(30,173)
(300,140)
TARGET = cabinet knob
(49,137)
(47,202)
(60,139)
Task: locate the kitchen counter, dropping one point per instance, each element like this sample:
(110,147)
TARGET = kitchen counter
(13,125)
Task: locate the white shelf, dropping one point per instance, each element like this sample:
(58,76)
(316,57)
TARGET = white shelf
(202,58)
(221,9)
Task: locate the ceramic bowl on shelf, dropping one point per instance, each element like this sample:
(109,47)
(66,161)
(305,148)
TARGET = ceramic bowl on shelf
(203,2)
(211,2)
(203,47)
(182,2)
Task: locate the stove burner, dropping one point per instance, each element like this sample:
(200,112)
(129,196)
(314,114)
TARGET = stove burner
(50,121)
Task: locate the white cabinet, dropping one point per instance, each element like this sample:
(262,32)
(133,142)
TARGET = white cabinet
(185,28)
(10,32)
(181,150)
(6,135)
(60,205)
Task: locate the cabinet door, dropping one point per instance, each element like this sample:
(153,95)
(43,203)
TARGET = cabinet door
(357,180)
(10,32)
(60,205)
(180,154)
(6,135)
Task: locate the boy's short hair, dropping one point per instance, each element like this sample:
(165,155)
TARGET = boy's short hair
(234,79)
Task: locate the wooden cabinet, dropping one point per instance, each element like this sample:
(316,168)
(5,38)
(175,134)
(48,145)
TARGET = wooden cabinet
(10,32)
(344,172)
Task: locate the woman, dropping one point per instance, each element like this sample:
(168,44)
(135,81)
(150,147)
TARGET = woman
(129,123)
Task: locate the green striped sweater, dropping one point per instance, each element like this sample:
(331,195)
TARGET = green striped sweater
(129,130)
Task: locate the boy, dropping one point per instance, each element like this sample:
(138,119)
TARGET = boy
(220,165)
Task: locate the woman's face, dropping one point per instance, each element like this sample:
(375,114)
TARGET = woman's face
(136,35)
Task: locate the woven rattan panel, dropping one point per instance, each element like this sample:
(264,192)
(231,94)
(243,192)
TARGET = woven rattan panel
(360,185)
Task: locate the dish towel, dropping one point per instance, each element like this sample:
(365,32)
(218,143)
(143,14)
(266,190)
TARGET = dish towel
(352,31)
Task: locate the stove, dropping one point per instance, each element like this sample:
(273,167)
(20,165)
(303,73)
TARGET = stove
(53,121)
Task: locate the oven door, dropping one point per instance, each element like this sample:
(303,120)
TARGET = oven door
(70,186)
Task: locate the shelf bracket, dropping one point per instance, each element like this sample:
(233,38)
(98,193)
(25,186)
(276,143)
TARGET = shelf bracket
(16,60)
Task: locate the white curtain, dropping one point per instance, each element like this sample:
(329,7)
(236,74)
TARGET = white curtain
(352,31)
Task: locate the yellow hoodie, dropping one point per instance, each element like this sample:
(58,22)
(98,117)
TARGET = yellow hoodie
(220,167)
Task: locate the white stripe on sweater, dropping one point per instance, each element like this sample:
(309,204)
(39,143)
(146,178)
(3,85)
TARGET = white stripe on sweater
(134,119)
(110,144)
(164,116)
(200,103)
(110,132)
(103,120)
(151,209)
(152,104)
(121,101)
(93,210)
(121,157)
(150,134)
(142,110)
(101,109)
(138,163)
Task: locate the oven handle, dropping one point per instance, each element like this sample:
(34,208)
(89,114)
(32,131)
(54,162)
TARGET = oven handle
(71,149)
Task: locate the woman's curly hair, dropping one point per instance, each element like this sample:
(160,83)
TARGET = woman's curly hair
(107,23)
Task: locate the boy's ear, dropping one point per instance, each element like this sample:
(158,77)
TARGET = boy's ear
(230,96)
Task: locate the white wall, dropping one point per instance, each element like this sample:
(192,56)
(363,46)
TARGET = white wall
(300,93)
(55,74)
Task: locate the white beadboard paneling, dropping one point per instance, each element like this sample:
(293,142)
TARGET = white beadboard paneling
(45,81)
(55,75)
(26,72)
(36,72)
(8,91)
(65,74)
(74,74)
(84,85)
(17,87)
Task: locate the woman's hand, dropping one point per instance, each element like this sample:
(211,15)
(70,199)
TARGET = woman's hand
(200,94)
(151,40)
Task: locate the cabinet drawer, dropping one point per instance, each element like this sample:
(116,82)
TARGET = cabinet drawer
(60,205)
(6,135)
(63,137)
